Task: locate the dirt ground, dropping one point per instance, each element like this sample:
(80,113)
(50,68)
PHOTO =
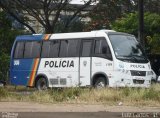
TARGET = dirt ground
(39,107)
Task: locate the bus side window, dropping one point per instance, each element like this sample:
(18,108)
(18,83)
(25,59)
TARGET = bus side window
(50,49)
(18,53)
(32,49)
(54,48)
(45,49)
(73,48)
(63,48)
(69,48)
(101,49)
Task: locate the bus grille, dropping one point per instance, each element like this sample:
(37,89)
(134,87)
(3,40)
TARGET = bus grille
(138,81)
(138,73)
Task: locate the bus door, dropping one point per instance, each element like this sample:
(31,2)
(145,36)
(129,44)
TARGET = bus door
(85,62)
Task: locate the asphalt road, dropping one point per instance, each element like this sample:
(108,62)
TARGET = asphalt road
(36,110)
(79,115)
(63,115)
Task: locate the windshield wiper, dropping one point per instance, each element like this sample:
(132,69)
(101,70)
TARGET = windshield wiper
(135,58)
(130,57)
(138,56)
(126,58)
(123,57)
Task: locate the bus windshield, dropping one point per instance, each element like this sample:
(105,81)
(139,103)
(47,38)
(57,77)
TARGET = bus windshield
(127,48)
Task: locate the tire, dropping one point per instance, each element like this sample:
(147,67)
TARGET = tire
(100,83)
(41,84)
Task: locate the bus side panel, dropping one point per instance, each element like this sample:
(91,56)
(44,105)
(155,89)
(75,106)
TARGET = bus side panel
(21,71)
(102,66)
(60,72)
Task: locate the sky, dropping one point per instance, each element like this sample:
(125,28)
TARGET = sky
(82,2)
(77,2)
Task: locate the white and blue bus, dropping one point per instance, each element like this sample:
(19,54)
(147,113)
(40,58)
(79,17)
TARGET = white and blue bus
(97,58)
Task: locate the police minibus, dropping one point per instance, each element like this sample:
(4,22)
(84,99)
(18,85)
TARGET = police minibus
(97,58)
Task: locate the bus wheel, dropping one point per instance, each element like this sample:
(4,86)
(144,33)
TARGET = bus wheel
(100,83)
(41,84)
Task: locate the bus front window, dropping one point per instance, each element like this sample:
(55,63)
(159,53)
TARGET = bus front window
(127,48)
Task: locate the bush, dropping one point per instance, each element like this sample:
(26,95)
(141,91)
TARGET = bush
(4,66)
(111,96)
(7,36)
(3,93)
(151,94)
(65,94)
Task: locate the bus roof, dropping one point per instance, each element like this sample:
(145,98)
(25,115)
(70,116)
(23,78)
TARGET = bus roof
(96,33)
(29,37)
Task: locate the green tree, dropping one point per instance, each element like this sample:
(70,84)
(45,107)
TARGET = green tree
(43,11)
(7,36)
(107,11)
(75,26)
(129,24)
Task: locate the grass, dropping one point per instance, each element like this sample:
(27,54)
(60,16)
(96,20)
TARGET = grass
(109,96)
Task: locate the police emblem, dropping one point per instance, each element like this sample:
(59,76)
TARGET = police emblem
(84,63)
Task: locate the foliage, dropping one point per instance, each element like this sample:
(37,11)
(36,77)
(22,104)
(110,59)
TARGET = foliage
(46,12)
(154,43)
(75,26)
(4,22)
(7,36)
(4,66)
(129,24)
(106,11)
(112,96)
(152,6)
(4,93)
